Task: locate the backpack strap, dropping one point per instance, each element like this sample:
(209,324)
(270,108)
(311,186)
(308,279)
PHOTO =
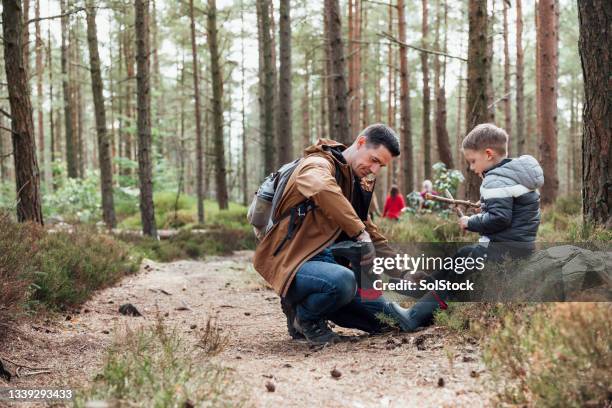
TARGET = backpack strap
(298,213)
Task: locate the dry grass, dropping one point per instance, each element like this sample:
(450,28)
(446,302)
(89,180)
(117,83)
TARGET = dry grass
(155,367)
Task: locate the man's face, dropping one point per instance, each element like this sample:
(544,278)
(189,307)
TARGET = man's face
(369,159)
(480,160)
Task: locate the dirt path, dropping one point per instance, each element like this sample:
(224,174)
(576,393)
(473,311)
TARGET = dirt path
(425,369)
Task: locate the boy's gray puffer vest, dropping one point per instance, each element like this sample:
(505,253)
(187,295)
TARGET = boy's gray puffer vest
(510,204)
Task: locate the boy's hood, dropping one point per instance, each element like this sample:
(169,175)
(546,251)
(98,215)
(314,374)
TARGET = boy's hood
(524,170)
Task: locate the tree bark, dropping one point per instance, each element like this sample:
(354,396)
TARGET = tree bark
(104,154)
(426,128)
(306,107)
(267,76)
(444,148)
(71,153)
(44,165)
(145,171)
(245,194)
(354,63)
(507,110)
(198,117)
(547,40)
(329,83)
(285,135)
(391,93)
(520,83)
(595,18)
(340,130)
(406,126)
(478,72)
(27,178)
(217,107)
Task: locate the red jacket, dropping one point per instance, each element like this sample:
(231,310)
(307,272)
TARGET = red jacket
(393,206)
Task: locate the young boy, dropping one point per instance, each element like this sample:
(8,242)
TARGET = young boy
(510,202)
(509,218)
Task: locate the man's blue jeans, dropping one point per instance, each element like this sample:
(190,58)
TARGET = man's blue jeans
(323,289)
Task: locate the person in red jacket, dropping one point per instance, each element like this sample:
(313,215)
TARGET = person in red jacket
(394,204)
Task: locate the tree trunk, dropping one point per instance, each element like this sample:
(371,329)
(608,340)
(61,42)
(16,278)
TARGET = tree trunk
(391,94)
(547,40)
(329,82)
(51,102)
(444,148)
(39,99)
(306,108)
(406,127)
(129,112)
(595,18)
(71,153)
(285,136)
(340,129)
(507,110)
(426,128)
(27,178)
(245,194)
(198,117)
(77,100)
(478,72)
(217,108)
(354,63)
(104,154)
(267,74)
(520,83)
(145,172)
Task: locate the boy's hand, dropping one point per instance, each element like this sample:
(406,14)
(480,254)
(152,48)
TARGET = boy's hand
(463,222)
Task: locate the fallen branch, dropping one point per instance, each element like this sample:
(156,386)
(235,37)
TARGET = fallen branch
(414,47)
(451,201)
(19,366)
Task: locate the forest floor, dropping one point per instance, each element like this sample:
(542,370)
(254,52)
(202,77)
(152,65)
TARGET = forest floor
(430,368)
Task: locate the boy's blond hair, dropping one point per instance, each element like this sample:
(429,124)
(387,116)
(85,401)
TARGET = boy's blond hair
(487,136)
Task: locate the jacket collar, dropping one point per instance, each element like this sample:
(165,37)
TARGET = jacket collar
(501,163)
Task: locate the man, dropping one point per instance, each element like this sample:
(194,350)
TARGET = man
(336,184)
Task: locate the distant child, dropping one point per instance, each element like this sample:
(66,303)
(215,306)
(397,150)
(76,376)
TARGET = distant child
(394,204)
(427,189)
(510,202)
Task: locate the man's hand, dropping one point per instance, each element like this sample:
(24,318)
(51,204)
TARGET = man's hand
(364,237)
(463,222)
(368,253)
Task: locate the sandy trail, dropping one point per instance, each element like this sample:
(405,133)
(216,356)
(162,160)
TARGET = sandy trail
(425,369)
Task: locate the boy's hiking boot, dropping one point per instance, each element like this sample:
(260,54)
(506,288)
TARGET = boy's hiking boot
(289,311)
(316,332)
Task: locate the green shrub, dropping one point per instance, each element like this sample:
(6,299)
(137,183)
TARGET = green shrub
(424,228)
(75,199)
(70,266)
(179,219)
(17,247)
(557,356)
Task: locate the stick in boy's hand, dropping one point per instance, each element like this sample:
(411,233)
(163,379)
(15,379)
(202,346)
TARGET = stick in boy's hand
(455,206)
(429,196)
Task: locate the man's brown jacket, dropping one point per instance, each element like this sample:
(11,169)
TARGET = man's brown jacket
(313,179)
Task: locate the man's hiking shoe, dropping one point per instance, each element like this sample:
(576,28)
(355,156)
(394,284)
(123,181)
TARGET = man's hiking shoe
(316,332)
(289,311)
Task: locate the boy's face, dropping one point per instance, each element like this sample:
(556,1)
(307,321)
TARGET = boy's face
(481,160)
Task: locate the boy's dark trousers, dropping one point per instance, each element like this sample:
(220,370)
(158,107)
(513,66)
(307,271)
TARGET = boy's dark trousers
(422,311)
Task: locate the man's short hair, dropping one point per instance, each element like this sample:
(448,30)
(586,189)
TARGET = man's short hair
(381,134)
(487,136)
